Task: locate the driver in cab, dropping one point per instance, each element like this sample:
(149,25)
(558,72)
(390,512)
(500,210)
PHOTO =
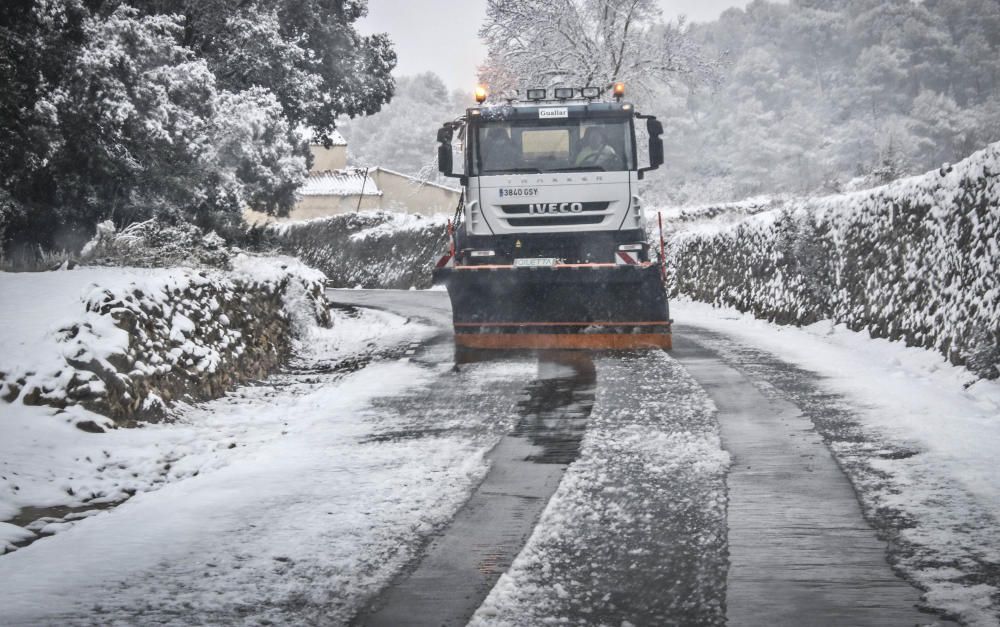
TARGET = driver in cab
(499,152)
(595,150)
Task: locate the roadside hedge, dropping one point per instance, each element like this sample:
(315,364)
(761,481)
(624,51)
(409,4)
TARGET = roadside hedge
(917,260)
(371,249)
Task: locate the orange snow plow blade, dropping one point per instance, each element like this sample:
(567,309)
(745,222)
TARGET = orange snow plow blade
(581,306)
(540,341)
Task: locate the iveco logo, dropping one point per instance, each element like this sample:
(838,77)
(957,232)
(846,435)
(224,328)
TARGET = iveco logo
(556,207)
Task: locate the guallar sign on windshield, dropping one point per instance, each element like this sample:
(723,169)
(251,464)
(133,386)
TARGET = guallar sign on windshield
(553,112)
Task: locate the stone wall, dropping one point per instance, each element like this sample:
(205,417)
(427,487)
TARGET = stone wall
(181,334)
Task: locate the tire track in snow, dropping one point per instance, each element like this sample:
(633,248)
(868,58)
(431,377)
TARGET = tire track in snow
(800,550)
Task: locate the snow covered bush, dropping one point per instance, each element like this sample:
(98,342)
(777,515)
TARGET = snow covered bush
(715,213)
(916,260)
(143,338)
(155,244)
(371,249)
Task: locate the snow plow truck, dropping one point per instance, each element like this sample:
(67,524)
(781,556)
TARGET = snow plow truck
(548,247)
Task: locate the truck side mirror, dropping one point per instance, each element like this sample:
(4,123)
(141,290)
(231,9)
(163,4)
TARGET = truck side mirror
(655,151)
(655,128)
(445,165)
(445,160)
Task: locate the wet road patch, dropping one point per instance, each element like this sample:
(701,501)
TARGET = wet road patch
(801,551)
(461,564)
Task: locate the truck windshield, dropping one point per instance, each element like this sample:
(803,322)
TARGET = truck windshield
(561,145)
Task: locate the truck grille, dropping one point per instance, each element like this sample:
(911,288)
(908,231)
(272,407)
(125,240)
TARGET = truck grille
(540,208)
(556,220)
(555,214)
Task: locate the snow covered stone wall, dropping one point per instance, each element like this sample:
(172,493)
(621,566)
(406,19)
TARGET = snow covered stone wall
(917,260)
(370,249)
(137,339)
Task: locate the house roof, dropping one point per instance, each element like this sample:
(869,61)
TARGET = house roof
(348,182)
(415,180)
(337,138)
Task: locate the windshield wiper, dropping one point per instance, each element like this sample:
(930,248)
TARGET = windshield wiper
(580,168)
(513,171)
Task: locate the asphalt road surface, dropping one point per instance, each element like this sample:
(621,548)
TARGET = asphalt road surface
(776,537)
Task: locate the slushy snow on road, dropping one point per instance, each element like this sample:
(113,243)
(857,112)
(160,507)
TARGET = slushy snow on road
(241,505)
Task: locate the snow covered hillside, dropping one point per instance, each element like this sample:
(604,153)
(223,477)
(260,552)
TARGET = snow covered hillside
(125,342)
(915,260)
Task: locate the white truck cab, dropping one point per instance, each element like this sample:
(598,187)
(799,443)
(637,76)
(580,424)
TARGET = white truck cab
(551,168)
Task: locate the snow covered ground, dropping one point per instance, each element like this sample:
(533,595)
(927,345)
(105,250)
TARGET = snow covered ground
(234,499)
(925,447)
(35,305)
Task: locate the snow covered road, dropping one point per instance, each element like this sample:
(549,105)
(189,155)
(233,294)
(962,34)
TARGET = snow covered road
(804,548)
(378,482)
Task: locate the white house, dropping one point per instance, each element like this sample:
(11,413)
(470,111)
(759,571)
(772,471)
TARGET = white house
(333,187)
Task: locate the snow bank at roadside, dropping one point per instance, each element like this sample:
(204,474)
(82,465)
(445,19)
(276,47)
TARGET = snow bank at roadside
(50,466)
(124,342)
(921,450)
(915,260)
(277,506)
(370,249)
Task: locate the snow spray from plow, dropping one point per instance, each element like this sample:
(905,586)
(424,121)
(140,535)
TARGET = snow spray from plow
(547,249)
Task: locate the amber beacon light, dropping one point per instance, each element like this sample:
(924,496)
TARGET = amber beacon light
(619,90)
(480,94)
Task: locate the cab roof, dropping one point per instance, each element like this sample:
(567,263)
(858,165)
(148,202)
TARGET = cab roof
(537,110)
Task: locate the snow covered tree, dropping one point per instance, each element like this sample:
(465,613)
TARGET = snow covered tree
(940,125)
(306,52)
(139,129)
(543,43)
(819,92)
(172,108)
(38,41)
(255,154)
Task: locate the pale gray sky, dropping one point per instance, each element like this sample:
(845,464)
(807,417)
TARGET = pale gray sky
(440,35)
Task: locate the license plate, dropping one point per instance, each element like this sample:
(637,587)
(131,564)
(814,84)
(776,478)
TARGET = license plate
(535,262)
